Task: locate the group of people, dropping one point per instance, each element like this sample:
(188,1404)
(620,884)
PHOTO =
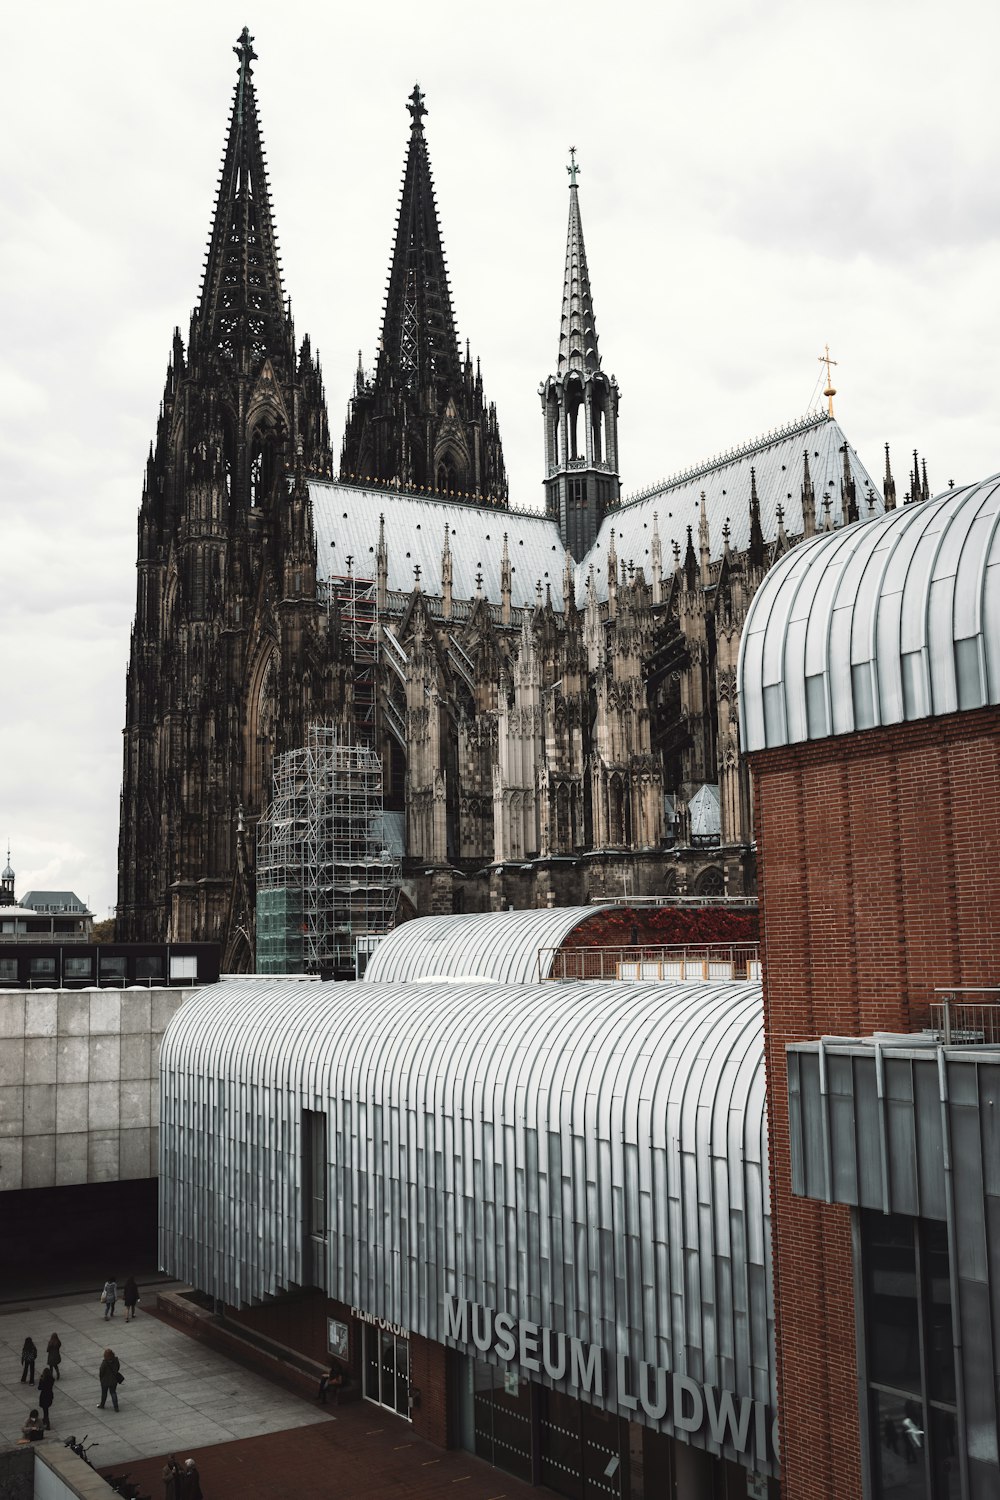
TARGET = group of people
(181,1483)
(38,1418)
(110,1375)
(130,1297)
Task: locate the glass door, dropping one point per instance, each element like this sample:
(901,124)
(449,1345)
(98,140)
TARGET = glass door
(386,1369)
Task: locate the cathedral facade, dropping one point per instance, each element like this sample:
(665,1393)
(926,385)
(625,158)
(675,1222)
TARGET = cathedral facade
(552,691)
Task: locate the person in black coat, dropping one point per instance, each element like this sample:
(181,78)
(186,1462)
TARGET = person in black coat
(45,1393)
(28,1356)
(130,1296)
(110,1378)
(53,1354)
(190,1485)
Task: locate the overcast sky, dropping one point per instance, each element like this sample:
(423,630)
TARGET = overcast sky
(757,180)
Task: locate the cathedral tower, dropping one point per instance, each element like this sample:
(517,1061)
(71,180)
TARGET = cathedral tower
(225,623)
(579,405)
(421,421)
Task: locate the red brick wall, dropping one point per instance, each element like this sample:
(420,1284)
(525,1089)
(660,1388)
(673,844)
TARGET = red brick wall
(879,879)
(428,1375)
(298,1320)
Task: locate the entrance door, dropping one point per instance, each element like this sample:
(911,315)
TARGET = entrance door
(386,1365)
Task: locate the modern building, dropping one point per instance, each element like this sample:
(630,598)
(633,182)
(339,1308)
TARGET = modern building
(531,1219)
(57,915)
(550,691)
(870,706)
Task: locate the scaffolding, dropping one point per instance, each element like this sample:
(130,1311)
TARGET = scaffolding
(327,879)
(356,599)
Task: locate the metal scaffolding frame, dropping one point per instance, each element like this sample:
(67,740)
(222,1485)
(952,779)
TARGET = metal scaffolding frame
(325,873)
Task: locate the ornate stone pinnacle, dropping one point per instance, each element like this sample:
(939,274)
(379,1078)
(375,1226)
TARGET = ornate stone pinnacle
(573,169)
(416,107)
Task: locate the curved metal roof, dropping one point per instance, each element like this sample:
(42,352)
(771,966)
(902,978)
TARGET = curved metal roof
(591,1156)
(499,946)
(888,620)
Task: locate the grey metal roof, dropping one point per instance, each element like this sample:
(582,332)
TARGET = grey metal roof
(777,459)
(498,946)
(892,619)
(706,815)
(591,1156)
(346,520)
(56,901)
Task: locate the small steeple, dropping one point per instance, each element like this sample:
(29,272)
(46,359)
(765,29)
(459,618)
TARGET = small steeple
(756,548)
(242,312)
(382,565)
(704,545)
(808,498)
(656,560)
(7,897)
(888,483)
(505,583)
(924,486)
(690,563)
(447,572)
(848,489)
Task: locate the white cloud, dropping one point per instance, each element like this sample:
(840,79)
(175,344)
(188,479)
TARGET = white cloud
(760,177)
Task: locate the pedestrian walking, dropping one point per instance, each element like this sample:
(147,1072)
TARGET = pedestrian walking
(172,1479)
(191,1480)
(28,1356)
(46,1382)
(130,1296)
(34,1428)
(109,1297)
(111,1377)
(53,1354)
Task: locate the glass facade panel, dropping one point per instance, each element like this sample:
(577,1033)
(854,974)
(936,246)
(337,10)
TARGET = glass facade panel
(560,1444)
(940,1348)
(946,1483)
(75,967)
(8,968)
(149,968)
(898,1448)
(891,1296)
(43,968)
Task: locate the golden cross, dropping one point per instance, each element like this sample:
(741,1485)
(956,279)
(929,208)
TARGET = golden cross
(829,393)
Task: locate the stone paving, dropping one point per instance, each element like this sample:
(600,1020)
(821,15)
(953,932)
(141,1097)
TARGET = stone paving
(178,1395)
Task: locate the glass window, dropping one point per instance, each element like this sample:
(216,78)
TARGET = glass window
(149,968)
(42,968)
(184,966)
(893,1324)
(910,1355)
(899,1447)
(111,966)
(77,967)
(385,1366)
(8,968)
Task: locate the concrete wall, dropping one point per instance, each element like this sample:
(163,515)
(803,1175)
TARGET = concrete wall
(79,1084)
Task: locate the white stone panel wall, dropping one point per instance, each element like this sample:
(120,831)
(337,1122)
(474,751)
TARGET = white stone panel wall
(79,1084)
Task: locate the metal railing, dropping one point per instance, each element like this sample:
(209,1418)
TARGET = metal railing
(654,962)
(961,1022)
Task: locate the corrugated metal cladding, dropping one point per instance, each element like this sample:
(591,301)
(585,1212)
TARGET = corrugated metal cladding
(588,1156)
(346,520)
(503,946)
(888,620)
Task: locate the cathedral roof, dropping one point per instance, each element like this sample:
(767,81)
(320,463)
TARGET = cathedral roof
(777,461)
(347,520)
(892,619)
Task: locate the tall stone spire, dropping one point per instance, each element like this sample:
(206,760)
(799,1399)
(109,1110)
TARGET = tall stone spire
(215,688)
(421,421)
(579,404)
(242,314)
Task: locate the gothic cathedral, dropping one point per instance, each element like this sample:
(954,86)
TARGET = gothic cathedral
(552,690)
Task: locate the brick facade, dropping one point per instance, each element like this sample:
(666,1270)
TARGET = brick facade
(879,880)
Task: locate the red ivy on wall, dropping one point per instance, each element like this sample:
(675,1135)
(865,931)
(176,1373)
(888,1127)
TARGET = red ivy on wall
(665,925)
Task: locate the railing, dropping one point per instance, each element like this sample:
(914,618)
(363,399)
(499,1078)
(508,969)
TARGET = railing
(48,937)
(967,1023)
(654,962)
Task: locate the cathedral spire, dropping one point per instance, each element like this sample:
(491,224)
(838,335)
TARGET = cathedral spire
(579,404)
(577,329)
(888,483)
(756,530)
(808,498)
(242,312)
(422,420)
(419,343)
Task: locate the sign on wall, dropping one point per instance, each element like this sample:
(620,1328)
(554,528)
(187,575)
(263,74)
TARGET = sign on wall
(337,1339)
